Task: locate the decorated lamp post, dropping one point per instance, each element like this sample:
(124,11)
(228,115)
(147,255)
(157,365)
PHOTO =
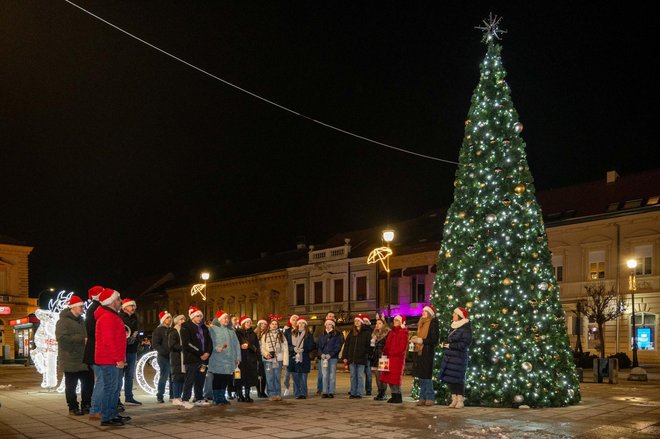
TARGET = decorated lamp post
(636,373)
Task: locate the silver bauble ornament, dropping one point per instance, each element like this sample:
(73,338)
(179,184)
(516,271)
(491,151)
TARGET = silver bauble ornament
(459,283)
(543,286)
(490,218)
(518,127)
(571,393)
(518,399)
(527,366)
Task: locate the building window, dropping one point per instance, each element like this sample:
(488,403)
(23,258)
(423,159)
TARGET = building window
(558,264)
(255,314)
(645,328)
(318,292)
(394,291)
(300,294)
(417,289)
(361,288)
(597,265)
(3,280)
(644,256)
(241,309)
(338,285)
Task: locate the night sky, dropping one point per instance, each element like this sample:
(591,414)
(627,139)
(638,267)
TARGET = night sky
(118,162)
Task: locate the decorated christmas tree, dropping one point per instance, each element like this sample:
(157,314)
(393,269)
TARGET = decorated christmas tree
(495,262)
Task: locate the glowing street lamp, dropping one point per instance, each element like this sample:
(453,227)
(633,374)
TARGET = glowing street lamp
(632,286)
(40,293)
(205,277)
(382,255)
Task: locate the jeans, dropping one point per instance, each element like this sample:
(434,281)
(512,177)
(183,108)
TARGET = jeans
(208,385)
(164,379)
(129,373)
(367,376)
(71,379)
(426,392)
(319,381)
(97,393)
(177,385)
(110,396)
(329,377)
(357,378)
(273,377)
(194,379)
(299,383)
(287,378)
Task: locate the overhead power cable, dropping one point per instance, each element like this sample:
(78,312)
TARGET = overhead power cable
(268,101)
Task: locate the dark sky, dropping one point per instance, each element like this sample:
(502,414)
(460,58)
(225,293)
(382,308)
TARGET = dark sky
(117,161)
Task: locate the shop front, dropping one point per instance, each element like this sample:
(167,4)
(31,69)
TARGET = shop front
(24,329)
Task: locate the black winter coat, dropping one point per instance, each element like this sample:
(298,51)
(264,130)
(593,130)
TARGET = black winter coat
(455,358)
(250,357)
(356,347)
(131,321)
(192,345)
(377,350)
(90,327)
(174,342)
(423,364)
(159,341)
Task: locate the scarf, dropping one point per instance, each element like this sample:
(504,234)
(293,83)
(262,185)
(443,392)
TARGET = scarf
(457,324)
(422,332)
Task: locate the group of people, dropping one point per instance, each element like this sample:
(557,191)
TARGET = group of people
(211,362)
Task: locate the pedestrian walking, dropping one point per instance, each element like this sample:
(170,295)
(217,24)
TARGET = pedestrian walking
(455,358)
(225,356)
(355,354)
(90,351)
(378,337)
(110,355)
(250,358)
(71,337)
(132,327)
(159,342)
(262,328)
(275,353)
(329,346)
(425,342)
(301,344)
(177,368)
(396,345)
(197,345)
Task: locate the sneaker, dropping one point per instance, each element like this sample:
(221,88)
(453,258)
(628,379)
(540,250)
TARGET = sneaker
(177,401)
(187,405)
(76,412)
(121,408)
(122,418)
(331,395)
(111,423)
(202,403)
(286,391)
(132,401)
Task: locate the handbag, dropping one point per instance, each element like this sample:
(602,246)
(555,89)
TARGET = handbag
(384,364)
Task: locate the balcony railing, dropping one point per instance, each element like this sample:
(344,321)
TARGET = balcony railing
(329,254)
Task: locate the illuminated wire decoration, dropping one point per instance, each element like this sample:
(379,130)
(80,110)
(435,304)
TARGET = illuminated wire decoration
(198,289)
(44,355)
(148,359)
(380,254)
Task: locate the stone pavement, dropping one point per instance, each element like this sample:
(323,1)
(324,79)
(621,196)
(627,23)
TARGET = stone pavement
(624,410)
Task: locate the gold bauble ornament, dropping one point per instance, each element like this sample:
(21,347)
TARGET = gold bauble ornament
(461,214)
(448,254)
(505,310)
(535,255)
(468,305)
(519,189)
(508,355)
(532,302)
(507,281)
(535,269)
(494,325)
(468,122)
(506,201)
(489,249)
(478,152)
(478,275)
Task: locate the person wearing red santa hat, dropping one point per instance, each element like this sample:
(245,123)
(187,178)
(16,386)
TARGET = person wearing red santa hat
(250,359)
(225,357)
(132,326)
(455,356)
(367,370)
(90,347)
(161,346)
(293,319)
(275,354)
(71,336)
(301,343)
(262,328)
(329,346)
(425,342)
(355,355)
(395,348)
(197,347)
(110,355)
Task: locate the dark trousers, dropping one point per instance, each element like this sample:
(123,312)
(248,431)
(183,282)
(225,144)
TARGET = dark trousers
(71,379)
(194,380)
(221,381)
(456,388)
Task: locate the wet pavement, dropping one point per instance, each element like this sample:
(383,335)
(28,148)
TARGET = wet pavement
(623,410)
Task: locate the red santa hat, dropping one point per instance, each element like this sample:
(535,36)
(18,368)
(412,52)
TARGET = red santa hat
(291,319)
(94,292)
(107,296)
(358,317)
(365,319)
(75,301)
(243,320)
(163,315)
(402,319)
(332,322)
(429,309)
(262,320)
(193,312)
(220,313)
(301,320)
(462,312)
(128,302)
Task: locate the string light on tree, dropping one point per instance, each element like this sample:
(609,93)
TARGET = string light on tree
(494,255)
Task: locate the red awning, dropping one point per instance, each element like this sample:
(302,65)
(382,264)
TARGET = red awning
(24,320)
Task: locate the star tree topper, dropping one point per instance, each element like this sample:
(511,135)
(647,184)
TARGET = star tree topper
(491,28)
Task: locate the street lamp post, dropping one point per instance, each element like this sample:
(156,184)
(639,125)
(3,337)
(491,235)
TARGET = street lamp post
(40,293)
(636,373)
(205,277)
(388,237)
(382,254)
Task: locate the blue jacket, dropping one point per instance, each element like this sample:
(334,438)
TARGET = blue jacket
(223,362)
(455,358)
(330,343)
(307,347)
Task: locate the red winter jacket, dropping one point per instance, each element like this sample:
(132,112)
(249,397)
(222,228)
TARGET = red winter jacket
(110,337)
(395,348)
